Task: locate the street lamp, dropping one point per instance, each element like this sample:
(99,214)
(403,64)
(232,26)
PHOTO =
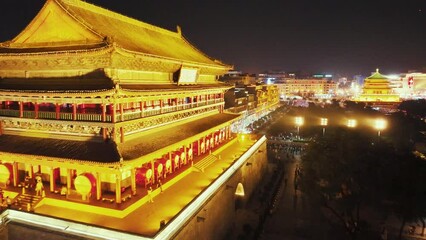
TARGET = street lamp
(299,122)
(379,125)
(351,123)
(324,122)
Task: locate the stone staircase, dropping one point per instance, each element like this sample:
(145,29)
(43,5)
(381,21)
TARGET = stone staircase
(21,202)
(205,162)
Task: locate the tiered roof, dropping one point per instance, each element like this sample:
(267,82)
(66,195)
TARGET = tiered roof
(76,26)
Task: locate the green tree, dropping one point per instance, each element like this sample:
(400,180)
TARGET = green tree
(345,171)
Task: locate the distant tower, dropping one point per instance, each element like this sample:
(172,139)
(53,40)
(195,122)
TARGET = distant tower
(376,89)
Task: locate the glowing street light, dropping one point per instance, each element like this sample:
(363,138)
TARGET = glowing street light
(379,125)
(299,122)
(324,122)
(351,123)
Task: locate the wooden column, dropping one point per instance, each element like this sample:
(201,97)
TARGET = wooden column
(161,105)
(103,112)
(142,108)
(74,111)
(121,112)
(171,161)
(104,133)
(15,174)
(121,135)
(133,180)
(1,127)
(69,183)
(31,172)
(36,110)
(52,179)
(98,186)
(57,110)
(153,171)
(113,133)
(113,112)
(185,150)
(21,109)
(118,187)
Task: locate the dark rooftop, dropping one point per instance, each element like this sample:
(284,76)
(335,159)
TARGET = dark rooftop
(156,140)
(78,150)
(108,152)
(96,80)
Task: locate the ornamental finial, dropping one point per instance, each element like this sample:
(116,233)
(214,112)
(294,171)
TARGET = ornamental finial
(377,70)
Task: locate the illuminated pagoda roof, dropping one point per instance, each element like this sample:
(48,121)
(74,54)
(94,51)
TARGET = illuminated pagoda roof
(376,80)
(74,24)
(72,46)
(377,75)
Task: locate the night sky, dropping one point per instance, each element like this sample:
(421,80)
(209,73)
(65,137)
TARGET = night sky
(343,37)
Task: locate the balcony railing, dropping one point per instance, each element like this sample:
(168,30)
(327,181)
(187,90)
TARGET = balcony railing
(9,113)
(94,117)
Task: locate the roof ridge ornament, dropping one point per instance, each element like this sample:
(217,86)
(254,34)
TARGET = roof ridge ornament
(179,30)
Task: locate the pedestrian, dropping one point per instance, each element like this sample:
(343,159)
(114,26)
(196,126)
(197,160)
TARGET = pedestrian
(150,195)
(160,184)
(8,201)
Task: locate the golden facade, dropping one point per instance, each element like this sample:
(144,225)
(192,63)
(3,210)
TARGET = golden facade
(89,93)
(377,89)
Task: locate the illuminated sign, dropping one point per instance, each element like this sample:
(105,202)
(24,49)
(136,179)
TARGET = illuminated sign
(410,81)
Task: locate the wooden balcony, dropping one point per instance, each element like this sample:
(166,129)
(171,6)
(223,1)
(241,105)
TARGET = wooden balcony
(94,117)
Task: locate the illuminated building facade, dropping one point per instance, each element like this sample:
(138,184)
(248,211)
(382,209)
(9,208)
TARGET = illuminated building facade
(307,87)
(377,89)
(84,92)
(412,85)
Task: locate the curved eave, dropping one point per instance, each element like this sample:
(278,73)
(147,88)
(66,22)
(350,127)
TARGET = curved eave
(155,91)
(98,10)
(58,94)
(129,53)
(57,51)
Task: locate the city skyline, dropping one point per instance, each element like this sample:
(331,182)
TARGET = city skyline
(329,36)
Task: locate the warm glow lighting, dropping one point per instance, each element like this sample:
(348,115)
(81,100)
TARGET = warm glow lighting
(324,121)
(176,224)
(82,185)
(168,232)
(240,190)
(4,173)
(380,124)
(299,121)
(351,123)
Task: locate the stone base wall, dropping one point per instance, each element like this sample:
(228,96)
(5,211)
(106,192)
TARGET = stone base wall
(217,218)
